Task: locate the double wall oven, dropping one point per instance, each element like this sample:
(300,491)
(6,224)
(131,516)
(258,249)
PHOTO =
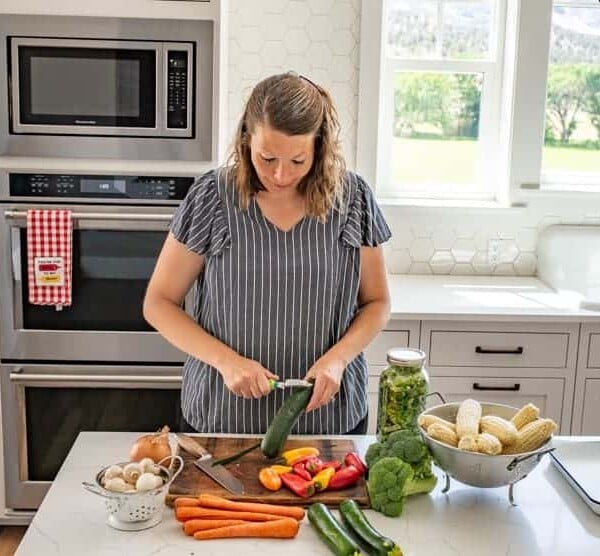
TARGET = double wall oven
(94,365)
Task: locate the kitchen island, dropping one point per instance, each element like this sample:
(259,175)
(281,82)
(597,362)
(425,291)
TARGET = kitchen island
(550,518)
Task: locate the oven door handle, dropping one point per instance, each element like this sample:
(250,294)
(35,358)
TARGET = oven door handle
(98,379)
(22,214)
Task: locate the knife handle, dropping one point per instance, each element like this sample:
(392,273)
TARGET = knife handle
(192,446)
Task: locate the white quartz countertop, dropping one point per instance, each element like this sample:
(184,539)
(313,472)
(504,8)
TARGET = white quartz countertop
(482,298)
(550,518)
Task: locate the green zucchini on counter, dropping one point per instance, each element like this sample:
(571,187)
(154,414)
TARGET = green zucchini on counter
(330,531)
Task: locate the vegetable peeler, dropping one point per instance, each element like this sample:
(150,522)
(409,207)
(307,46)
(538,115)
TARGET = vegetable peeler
(289,382)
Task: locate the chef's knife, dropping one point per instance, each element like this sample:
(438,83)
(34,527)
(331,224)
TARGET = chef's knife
(204,462)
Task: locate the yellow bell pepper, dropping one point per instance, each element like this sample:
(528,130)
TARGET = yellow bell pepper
(281,469)
(290,456)
(322,478)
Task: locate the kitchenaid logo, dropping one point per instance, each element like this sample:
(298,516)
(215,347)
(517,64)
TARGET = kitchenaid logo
(86,122)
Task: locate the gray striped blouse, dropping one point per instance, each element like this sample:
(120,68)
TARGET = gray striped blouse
(280,298)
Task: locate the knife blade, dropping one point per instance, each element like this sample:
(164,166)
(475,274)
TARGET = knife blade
(290,383)
(217,473)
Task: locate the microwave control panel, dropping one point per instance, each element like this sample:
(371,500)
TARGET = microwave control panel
(77,186)
(177,89)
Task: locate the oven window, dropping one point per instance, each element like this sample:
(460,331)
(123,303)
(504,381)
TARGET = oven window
(111,270)
(55,416)
(87,86)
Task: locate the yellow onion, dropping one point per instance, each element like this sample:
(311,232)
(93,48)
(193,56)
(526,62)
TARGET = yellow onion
(154,446)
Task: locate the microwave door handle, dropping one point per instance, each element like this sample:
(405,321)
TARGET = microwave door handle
(58,379)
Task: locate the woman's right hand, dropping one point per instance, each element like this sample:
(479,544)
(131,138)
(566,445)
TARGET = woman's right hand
(246,377)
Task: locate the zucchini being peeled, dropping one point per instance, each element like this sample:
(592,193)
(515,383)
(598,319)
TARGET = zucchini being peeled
(330,531)
(281,425)
(355,521)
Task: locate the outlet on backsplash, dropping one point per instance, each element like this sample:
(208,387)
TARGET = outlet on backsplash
(500,251)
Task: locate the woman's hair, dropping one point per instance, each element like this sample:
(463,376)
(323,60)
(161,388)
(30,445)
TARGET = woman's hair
(293,105)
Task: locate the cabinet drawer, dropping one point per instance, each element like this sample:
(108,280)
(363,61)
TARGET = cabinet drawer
(545,393)
(377,350)
(593,361)
(591,407)
(498,349)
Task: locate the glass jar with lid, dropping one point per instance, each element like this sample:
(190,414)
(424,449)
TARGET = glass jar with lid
(403,387)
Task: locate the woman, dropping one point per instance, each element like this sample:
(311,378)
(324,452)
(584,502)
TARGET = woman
(284,245)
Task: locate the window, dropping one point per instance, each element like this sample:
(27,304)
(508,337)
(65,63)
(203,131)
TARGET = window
(571,152)
(479,99)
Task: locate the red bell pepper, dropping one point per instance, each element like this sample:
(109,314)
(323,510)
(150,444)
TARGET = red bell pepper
(313,465)
(301,471)
(345,477)
(352,458)
(298,485)
(334,464)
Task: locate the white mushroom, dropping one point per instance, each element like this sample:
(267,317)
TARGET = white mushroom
(116,484)
(148,481)
(148,466)
(132,472)
(112,472)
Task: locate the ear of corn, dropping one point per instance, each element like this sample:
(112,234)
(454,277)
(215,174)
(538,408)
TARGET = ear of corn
(488,444)
(532,436)
(426,420)
(468,442)
(527,414)
(441,432)
(467,418)
(502,429)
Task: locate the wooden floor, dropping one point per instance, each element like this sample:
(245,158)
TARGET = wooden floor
(10,537)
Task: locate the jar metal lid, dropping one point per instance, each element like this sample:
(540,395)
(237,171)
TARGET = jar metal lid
(406,357)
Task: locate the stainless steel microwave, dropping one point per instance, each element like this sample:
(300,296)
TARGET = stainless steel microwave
(119,88)
(102,87)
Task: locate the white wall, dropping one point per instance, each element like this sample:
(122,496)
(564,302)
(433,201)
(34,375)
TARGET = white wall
(321,38)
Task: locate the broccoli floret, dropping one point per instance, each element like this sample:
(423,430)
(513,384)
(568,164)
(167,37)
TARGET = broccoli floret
(409,447)
(387,480)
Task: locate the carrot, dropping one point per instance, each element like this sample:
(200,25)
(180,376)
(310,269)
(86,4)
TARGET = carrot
(183,513)
(193,525)
(183,501)
(213,501)
(284,528)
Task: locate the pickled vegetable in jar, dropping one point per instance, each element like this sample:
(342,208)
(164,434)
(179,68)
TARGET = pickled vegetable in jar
(403,387)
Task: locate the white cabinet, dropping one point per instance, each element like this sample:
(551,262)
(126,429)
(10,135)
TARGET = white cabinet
(586,409)
(397,334)
(505,362)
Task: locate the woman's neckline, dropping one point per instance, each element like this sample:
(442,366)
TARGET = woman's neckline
(275,226)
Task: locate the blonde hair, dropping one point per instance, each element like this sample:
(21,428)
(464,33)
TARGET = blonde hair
(293,105)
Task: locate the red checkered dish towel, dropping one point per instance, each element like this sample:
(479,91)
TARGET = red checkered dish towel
(49,254)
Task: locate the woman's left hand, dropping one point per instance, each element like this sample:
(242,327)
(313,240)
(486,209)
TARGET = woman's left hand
(327,373)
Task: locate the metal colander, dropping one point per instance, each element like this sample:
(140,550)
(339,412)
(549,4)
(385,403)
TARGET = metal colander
(133,511)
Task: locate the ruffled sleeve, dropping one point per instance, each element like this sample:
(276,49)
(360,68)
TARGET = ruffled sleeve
(199,222)
(365,225)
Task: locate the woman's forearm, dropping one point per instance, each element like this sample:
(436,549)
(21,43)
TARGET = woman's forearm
(177,327)
(367,323)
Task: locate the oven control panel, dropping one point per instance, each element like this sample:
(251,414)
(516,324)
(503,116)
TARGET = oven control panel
(77,186)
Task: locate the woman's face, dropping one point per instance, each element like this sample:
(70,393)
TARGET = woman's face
(280,160)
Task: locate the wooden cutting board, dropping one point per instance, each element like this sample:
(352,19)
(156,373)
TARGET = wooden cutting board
(192,482)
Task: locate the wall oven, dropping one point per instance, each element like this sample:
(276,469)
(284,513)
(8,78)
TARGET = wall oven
(96,364)
(88,87)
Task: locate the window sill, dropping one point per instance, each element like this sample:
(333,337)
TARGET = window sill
(448,203)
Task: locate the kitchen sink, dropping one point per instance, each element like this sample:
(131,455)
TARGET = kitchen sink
(569,261)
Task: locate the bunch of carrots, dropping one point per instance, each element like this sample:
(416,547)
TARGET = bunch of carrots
(213,517)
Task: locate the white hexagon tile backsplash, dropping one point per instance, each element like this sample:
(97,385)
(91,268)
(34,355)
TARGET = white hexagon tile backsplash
(321,39)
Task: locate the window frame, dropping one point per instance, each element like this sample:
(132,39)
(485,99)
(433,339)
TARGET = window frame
(520,115)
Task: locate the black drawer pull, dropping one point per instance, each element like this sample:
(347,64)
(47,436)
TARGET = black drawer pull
(513,388)
(516,351)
